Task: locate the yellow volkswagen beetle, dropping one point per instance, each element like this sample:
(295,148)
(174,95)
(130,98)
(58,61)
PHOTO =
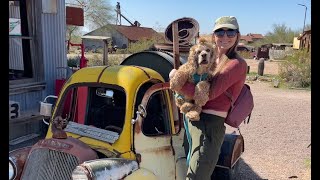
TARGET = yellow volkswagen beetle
(115,122)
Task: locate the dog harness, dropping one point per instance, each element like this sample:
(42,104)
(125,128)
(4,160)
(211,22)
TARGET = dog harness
(197,78)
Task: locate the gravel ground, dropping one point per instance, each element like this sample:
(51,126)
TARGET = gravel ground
(279,133)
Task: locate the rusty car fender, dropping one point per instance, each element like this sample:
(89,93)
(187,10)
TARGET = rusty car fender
(19,157)
(141,174)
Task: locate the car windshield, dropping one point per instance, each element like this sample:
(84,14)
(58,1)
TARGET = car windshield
(94,106)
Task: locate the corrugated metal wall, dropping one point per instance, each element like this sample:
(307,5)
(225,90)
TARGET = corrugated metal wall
(51,39)
(15,44)
(54,46)
(29,102)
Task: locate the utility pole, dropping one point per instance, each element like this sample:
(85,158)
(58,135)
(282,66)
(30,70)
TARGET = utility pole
(118,13)
(305,13)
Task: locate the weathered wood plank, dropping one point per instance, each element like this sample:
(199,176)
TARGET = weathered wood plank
(93,132)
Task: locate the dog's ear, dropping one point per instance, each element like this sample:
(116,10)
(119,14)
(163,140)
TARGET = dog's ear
(213,50)
(192,50)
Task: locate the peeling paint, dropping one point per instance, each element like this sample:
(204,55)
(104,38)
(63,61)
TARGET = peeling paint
(112,168)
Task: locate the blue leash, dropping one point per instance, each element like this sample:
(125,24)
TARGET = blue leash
(185,122)
(196,78)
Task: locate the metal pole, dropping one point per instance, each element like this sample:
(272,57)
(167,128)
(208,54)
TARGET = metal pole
(175,38)
(105,52)
(304,22)
(305,13)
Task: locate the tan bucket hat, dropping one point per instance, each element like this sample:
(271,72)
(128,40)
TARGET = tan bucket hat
(226,22)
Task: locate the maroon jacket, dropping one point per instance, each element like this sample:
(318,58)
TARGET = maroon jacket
(231,79)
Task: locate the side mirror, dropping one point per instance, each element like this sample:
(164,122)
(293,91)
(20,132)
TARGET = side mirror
(46,108)
(102,92)
(141,113)
(109,93)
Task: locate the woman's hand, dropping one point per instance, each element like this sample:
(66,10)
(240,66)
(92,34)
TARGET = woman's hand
(172,72)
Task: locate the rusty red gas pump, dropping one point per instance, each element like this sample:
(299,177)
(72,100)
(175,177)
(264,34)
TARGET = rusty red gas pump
(83,63)
(83,60)
(60,82)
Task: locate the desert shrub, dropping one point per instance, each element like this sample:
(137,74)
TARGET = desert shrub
(245,54)
(115,60)
(122,51)
(296,69)
(73,61)
(143,44)
(139,46)
(99,50)
(94,59)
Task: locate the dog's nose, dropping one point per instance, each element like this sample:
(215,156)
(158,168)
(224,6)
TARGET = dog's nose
(204,55)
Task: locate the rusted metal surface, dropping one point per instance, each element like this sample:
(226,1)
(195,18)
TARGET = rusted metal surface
(111,168)
(180,156)
(58,124)
(49,164)
(74,16)
(181,32)
(153,89)
(70,145)
(237,150)
(19,157)
(169,47)
(147,95)
(175,44)
(56,158)
(231,150)
(188,29)
(157,153)
(141,174)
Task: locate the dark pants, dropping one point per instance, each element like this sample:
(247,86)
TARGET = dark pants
(207,137)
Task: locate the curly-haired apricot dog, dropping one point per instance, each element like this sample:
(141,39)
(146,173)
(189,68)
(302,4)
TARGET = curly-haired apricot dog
(198,69)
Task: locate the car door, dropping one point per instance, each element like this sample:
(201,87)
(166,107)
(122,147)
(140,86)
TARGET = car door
(152,133)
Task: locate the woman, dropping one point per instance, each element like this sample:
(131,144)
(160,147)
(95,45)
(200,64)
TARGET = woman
(207,135)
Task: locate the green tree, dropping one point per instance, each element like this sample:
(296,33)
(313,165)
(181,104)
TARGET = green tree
(280,34)
(97,13)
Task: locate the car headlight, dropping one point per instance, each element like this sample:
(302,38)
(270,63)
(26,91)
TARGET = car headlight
(12,170)
(80,173)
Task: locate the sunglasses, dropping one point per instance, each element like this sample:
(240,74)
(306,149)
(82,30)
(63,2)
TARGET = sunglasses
(230,33)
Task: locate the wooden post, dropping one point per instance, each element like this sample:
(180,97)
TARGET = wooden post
(175,37)
(105,52)
(261,66)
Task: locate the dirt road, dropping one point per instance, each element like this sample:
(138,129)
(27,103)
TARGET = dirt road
(278,135)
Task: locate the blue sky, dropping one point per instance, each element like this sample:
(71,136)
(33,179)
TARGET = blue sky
(254,16)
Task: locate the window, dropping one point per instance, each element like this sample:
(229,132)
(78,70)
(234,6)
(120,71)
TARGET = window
(20,40)
(157,121)
(106,108)
(100,107)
